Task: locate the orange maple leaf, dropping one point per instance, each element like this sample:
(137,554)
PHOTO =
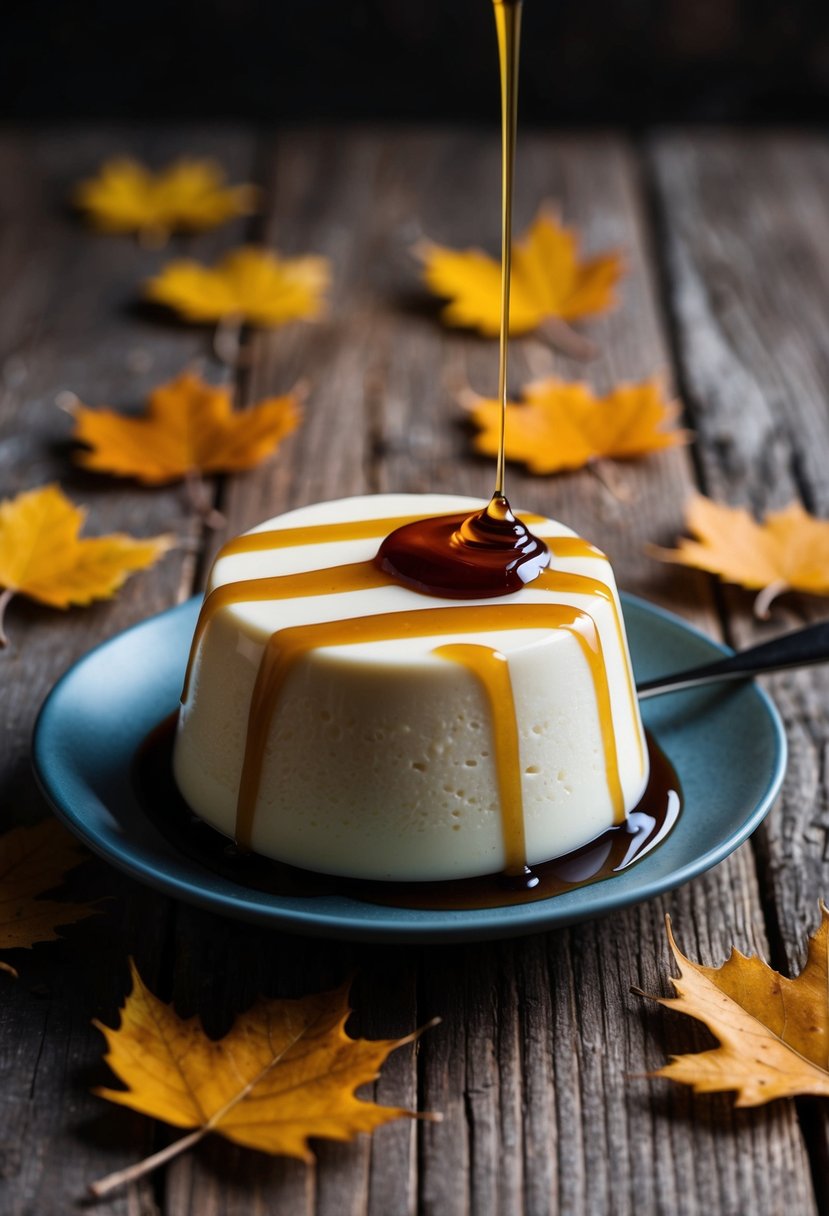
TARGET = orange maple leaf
(191,194)
(190,428)
(550,280)
(773,1032)
(254,285)
(789,551)
(33,860)
(43,557)
(286,1071)
(562,425)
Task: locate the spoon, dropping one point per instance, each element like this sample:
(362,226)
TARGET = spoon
(798,649)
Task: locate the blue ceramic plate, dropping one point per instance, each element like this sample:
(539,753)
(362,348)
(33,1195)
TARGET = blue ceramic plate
(726,743)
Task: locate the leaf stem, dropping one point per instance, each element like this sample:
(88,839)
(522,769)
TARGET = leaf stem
(120,1177)
(763,602)
(227,341)
(563,338)
(5,599)
(199,500)
(608,478)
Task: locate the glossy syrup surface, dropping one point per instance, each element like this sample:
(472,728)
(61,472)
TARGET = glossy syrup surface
(469,557)
(611,853)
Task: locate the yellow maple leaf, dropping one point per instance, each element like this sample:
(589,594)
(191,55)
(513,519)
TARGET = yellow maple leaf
(550,280)
(562,425)
(789,551)
(190,428)
(773,1032)
(286,1071)
(255,285)
(43,557)
(34,860)
(191,194)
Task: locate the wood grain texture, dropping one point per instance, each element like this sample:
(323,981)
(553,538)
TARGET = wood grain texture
(537,1065)
(69,321)
(746,232)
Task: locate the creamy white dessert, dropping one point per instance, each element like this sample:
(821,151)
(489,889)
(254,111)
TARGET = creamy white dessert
(370,727)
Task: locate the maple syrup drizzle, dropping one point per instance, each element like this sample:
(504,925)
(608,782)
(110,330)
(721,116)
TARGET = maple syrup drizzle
(331,580)
(357,576)
(468,557)
(580,584)
(316,582)
(489,665)
(286,646)
(570,546)
(490,553)
(319,534)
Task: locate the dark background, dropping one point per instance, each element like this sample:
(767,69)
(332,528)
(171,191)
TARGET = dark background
(584,61)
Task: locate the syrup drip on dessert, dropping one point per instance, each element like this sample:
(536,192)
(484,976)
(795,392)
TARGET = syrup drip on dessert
(490,553)
(490,668)
(287,646)
(359,576)
(465,557)
(313,534)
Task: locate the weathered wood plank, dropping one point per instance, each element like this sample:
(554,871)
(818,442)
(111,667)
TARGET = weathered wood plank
(746,236)
(68,323)
(529,1066)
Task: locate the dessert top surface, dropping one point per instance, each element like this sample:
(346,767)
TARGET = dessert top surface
(321,541)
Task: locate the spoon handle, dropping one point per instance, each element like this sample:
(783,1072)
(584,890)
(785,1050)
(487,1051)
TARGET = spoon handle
(797,649)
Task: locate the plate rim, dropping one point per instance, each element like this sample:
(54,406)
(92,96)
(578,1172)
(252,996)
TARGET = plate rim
(423,925)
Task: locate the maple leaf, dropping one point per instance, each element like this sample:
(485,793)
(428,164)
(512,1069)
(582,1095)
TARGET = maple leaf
(34,860)
(773,1032)
(125,196)
(562,425)
(43,557)
(190,428)
(549,280)
(249,283)
(286,1071)
(789,551)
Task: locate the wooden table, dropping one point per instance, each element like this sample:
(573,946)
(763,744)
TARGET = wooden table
(537,1064)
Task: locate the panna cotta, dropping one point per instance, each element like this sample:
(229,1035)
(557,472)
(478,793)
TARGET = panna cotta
(339,721)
